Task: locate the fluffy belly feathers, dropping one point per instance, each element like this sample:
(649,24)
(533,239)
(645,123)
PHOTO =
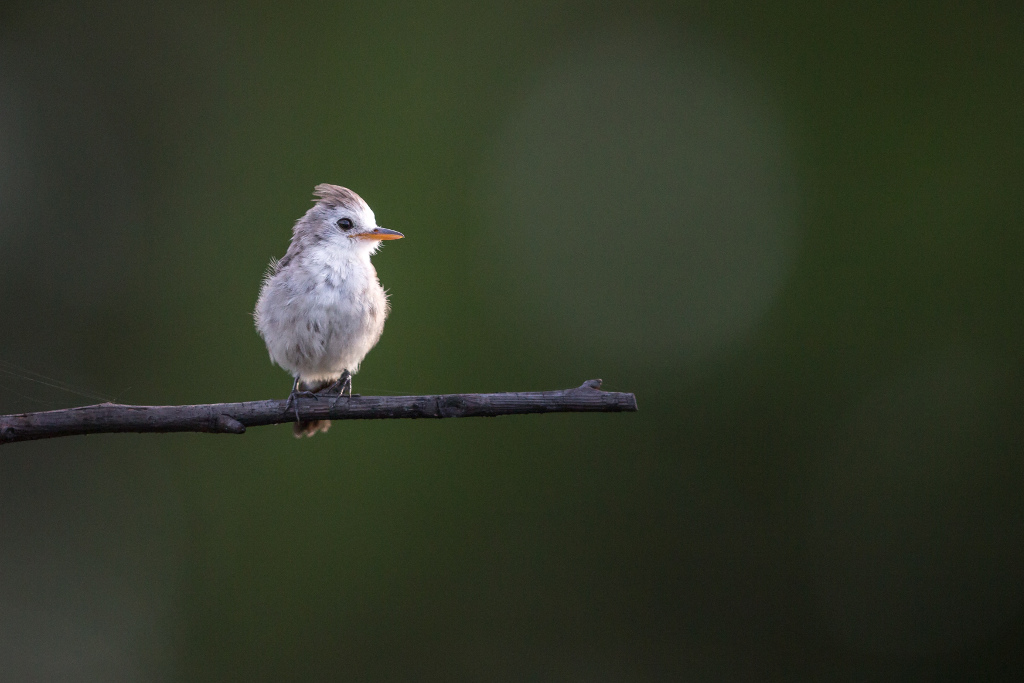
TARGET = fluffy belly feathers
(319,334)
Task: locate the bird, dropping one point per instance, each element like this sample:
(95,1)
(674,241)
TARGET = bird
(321,307)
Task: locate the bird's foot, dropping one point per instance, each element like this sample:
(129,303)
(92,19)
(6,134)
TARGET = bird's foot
(343,384)
(293,398)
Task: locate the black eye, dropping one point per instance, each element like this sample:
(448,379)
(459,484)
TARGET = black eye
(345,223)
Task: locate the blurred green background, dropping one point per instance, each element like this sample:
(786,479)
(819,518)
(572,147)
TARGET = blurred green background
(795,232)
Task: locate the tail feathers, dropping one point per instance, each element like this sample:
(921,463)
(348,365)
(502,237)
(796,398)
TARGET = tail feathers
(310,428)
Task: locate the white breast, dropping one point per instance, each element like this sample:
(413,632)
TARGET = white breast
(321,316)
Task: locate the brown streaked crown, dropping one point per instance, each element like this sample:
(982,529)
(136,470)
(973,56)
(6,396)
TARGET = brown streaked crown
(335,196)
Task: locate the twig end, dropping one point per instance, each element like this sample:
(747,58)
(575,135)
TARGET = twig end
(229,425)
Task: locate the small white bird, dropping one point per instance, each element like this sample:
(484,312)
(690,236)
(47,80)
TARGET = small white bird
(321,308)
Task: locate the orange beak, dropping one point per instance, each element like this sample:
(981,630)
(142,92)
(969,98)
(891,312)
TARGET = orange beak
(380,234)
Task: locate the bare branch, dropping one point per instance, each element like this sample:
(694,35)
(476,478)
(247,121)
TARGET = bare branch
(233,418)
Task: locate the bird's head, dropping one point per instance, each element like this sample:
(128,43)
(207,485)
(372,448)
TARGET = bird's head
(343,220)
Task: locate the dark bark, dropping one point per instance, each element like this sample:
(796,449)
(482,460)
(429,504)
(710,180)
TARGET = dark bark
(233,418)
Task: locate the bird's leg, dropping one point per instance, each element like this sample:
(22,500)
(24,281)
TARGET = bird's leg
(293,398)
(344,382)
